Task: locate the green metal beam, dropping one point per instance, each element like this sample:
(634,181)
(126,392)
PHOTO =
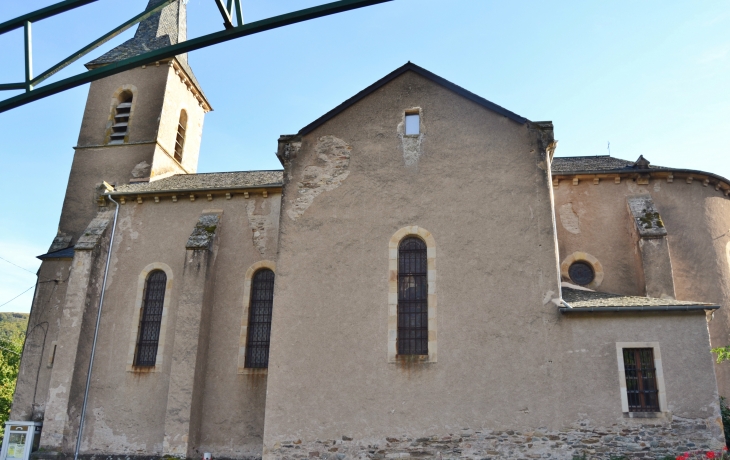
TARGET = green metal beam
(43,13)
(225,12)
(28,57)
(11,86)
(184,47)
(105,38)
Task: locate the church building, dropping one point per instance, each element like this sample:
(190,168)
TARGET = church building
(422,278)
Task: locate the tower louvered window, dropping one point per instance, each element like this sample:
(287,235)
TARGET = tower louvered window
(149,327)
(180,138)
(641,387)
(412,297)
(121,120)
(259,320)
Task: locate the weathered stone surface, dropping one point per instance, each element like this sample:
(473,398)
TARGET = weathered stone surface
(91,236)
(655,441)
(203,232)
(649,223)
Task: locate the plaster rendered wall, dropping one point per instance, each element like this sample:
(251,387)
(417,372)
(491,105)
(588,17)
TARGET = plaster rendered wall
(474,182)
(115,165)
(31,391)
(697,220)
(149,88)
(575,408)
(127,408)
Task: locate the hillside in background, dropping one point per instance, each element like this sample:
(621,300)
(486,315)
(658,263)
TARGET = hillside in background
(13,323)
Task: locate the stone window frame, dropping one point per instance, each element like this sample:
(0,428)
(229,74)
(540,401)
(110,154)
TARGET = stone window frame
(395,240)
(659,370)
(112,110)
(580,256)
(137,314)
(248,280)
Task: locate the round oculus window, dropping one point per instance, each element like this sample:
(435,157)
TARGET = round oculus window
(581,273)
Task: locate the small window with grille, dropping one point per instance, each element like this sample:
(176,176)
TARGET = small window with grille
(641,382)
(151,318)
(180,138)
(120,124)
(412,297)
(259,321)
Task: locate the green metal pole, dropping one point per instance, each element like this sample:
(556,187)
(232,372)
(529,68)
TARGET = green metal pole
(28,58)
(43,13)
(239,13)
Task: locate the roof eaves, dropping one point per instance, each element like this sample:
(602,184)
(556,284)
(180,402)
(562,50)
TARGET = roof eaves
(422,72)
(191,189)
(645,308)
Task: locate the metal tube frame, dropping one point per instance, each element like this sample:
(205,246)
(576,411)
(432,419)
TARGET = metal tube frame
(242,30)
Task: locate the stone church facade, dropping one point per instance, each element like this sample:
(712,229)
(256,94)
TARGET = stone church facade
(421,279)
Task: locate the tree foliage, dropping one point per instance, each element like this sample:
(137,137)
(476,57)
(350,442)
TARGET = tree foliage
(11,347)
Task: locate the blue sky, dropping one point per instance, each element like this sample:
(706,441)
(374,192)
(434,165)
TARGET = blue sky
(651,77)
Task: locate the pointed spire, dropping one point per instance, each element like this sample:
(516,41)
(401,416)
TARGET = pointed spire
(164,28)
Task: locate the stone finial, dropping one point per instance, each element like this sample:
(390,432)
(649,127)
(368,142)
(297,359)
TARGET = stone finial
(204,232)
(641,163)
(649,223)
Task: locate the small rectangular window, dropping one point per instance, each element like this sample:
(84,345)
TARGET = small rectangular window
(413,122)
(641,385)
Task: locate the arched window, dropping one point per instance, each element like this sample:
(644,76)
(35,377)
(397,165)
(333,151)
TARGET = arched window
(122,112)
(180,139)
(149,325)
(259,320)
(412,297)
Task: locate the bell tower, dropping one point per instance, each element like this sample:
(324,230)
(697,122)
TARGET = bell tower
(139,125)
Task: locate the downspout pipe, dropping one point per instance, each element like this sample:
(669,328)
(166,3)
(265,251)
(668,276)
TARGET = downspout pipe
(96,331)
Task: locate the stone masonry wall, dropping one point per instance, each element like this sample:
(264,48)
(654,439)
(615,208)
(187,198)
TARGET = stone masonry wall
(630,441)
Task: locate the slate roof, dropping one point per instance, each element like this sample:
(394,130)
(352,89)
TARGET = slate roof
(596,163)
(410,67)
(206,181)
(164,28)
(580,299)
(67,253)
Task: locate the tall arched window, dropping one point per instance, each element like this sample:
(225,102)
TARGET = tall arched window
(122,112)
(259,320)
(412,297)
(149,325)
(180,138)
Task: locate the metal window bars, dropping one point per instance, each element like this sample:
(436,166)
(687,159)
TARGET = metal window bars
(641,387)
(412,297)
(259,320)
(149,327)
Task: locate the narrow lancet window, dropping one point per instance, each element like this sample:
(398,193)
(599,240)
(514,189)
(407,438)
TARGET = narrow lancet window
(412,297)
(259,321)
(180,138)
(120,124)
(151,318)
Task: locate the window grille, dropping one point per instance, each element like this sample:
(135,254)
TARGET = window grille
(412,297)
(641,387)
(180,138)
(121,120)
(149,328)
(259,320)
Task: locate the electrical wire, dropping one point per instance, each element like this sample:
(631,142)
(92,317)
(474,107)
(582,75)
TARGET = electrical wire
(2,305)
(6,260)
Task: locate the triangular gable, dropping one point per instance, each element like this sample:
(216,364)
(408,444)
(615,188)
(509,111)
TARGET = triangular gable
(424,73)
